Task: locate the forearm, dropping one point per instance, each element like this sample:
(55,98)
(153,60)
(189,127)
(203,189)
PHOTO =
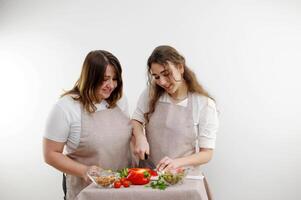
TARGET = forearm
(138,129)
(141,144)
(66,164)
(53,155)
(202,157)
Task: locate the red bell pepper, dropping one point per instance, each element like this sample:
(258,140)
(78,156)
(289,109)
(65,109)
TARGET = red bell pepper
(150,171)
(139,176)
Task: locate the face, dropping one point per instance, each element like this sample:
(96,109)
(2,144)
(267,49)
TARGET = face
(168,77)
(109,83)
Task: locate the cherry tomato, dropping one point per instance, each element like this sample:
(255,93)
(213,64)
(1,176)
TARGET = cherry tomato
(122,180)
(117,184)
(126,183)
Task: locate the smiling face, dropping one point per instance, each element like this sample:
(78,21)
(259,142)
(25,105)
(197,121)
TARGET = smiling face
(109,83)
(168,76)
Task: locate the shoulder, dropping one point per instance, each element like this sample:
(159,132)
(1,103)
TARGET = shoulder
(122,103)
(202,101)
(145,94)
(144,97)
(68,105)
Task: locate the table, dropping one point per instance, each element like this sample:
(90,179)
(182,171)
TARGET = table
(189,190)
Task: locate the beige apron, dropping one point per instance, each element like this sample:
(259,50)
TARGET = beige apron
(104,141)
(170,132)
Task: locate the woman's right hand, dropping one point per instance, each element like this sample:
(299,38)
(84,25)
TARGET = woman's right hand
(141,146)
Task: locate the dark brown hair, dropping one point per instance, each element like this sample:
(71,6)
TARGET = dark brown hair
(92,76)
(161,55)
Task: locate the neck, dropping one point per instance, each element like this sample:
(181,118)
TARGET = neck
(181,93)
(99,99)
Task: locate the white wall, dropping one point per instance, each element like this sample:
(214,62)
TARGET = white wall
(247,54)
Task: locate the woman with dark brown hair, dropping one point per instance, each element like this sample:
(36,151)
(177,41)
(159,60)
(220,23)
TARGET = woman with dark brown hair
(178,115)
(81,122)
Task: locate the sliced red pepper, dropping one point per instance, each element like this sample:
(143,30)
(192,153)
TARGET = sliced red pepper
(153,173)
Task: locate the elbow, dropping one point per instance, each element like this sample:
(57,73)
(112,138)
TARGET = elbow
(210,156)
(51,151)
(207,155)
(47,158)
(209,159)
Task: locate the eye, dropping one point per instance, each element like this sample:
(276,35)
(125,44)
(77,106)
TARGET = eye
(165,73)
(156,77)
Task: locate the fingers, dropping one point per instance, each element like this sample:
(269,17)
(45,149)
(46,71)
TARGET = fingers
(94,170)
(141,148)
(169,167)
(164,163)
(141,153)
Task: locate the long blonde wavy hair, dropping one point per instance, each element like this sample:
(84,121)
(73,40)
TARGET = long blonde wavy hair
(161,55)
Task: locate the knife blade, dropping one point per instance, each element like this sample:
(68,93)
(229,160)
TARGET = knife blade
(146,163)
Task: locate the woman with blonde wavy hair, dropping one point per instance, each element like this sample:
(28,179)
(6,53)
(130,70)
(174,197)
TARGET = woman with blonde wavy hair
(81,122)
(175,122)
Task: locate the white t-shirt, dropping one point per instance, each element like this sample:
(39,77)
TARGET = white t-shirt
(64,121)
(205,115)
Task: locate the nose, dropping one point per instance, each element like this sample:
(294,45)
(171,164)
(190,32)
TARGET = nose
(162,81)
(110,84)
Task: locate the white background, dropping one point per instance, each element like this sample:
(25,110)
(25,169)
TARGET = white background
(246,53)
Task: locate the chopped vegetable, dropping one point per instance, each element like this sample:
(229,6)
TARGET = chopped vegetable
(123,173)
(173,178)
(159,184)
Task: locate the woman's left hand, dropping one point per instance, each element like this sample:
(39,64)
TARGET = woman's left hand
(91,170)
(167,164)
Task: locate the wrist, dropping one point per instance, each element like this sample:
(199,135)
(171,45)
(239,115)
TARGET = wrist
(181,162)
(84,171)
(140,136)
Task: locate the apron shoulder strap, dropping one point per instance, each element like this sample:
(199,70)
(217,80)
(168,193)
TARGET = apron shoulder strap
(196,118)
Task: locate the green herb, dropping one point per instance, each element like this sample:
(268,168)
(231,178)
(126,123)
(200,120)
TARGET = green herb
(146,174)
(123,173)
(159,184)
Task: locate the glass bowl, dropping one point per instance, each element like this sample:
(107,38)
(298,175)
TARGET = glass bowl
(175,176)
(105,178)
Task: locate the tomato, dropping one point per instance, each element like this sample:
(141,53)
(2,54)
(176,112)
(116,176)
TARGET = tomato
(122,180)
(117,184)
(127,183)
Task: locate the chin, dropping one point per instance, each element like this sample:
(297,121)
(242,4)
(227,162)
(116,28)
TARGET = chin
(171,91)
(105,96)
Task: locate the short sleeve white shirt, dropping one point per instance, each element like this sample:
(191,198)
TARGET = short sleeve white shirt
(64,121)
